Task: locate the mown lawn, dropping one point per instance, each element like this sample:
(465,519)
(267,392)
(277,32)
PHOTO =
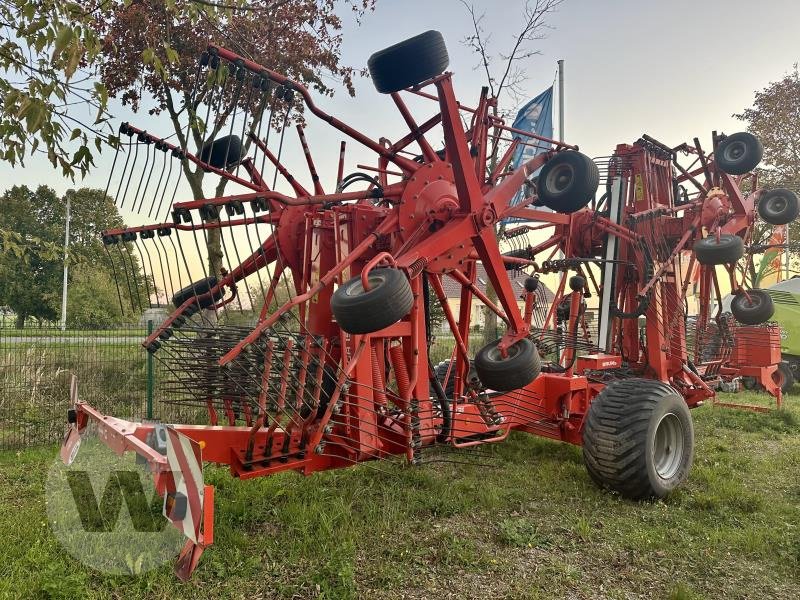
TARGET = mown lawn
(528,525)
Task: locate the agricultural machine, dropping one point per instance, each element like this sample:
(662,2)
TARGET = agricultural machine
(334,369)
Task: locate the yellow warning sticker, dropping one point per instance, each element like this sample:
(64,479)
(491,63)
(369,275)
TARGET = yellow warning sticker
(638,188)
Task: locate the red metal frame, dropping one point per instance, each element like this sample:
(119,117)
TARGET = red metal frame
(438,219)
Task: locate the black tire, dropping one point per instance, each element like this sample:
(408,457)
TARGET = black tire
(568,182)
(784,377)
(739,153)
(778,206)
(440,371)
(754,308)
(388,300)
(518,369)
(409,62)
(638,439)
(522,253)
(223,152)
(709,251)
(198,289)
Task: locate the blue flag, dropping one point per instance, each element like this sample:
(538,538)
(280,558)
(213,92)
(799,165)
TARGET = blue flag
(536,117)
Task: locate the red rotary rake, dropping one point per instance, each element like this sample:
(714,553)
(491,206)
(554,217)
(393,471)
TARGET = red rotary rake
(339,372)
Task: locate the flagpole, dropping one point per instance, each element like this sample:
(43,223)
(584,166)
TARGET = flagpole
(561,100)
(786,252)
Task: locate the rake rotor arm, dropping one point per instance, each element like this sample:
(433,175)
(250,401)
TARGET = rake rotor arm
(298,189)
(405,164)
(186,155)
(500,195)
(497,123)
(388,225)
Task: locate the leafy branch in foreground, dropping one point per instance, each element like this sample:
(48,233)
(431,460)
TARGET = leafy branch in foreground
(49,101)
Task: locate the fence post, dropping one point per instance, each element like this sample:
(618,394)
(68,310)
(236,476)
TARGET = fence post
(149,374)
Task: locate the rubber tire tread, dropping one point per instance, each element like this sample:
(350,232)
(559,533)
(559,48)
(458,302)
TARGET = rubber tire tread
(214,153)
(753,315)
(615,437)
(729,249)
(749,161)
(409,62)
(582,189)
(510,374)
(371,311)
(782,217)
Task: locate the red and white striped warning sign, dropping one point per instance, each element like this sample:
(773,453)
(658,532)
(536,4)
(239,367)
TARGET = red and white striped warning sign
(184,506)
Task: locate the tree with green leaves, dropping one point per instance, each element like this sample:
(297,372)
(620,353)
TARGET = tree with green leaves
(150,51)
(31,257)
(50,102)
(774,119)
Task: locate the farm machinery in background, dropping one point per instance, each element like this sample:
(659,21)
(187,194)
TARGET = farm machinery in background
(335,368)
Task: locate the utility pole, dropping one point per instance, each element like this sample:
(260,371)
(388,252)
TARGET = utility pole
(561,100)
(66,271)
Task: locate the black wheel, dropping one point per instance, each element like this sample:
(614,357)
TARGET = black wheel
(568,182)
(753,308)
(749,383)
(709,251)
(409,62)
(223,152)
(196,290)
(522,253)
(739,153)
(778,206)
(388,300)
(638,439)
(440,371)
(784,377)
(512,372)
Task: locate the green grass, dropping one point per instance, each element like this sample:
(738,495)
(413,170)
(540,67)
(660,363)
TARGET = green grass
(531,525)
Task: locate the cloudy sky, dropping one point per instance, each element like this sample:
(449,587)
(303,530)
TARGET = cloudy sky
(672,69)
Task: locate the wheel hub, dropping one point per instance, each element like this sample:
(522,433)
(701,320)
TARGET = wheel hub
(560,178)
(735,151)
(668,446)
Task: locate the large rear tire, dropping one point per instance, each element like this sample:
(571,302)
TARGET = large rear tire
(638,439)
(409,62)
(440,371)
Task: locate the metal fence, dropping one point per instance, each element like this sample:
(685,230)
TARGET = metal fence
(115,374)
(113,370)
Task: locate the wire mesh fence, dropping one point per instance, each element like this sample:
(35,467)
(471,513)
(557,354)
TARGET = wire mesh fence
(115,374)
(35,366)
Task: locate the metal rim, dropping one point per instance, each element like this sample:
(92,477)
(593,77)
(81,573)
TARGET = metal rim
(735,151)
(356,289)
(779,377)
(668,446)
(752,300)
(559,178)
(495,356)
(776,204)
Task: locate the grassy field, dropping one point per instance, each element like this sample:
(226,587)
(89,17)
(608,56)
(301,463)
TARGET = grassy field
(530,525)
